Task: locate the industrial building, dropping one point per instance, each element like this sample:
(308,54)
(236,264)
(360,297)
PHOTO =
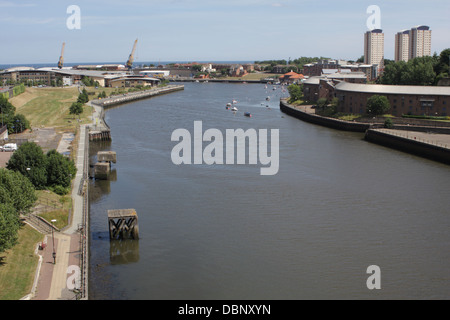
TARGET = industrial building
(69,76)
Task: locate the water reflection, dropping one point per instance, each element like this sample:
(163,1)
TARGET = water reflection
(123,251)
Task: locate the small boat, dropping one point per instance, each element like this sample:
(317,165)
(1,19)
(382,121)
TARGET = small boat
(234,109)
(248,114)
(234,101)
(228,106)
(268,99)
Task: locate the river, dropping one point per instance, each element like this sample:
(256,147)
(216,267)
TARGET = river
(337,205)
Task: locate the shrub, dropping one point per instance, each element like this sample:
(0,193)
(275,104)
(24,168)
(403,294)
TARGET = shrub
(388,123)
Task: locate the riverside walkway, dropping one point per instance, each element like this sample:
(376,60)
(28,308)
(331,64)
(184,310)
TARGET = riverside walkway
(53,281)
(71,251)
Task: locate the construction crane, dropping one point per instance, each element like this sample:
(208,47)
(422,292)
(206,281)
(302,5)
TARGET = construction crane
(61,58)
(131,57)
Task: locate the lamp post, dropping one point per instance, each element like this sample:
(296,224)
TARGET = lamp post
(53,240)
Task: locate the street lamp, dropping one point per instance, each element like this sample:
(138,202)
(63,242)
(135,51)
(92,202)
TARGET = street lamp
(53,240)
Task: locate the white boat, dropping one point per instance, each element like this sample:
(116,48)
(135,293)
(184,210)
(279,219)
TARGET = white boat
(234,109)
(268,99)
(234,101)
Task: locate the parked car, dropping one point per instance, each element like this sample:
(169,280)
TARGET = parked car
(10,147)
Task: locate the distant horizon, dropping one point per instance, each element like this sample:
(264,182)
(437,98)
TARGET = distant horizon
(71,64)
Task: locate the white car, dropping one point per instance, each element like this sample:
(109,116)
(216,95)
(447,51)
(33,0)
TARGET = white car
(9,147)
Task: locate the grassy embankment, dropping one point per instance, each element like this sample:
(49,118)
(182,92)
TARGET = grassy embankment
(18,265)
(49,107)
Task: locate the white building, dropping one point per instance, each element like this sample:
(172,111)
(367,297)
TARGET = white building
(374,48)
(419,42)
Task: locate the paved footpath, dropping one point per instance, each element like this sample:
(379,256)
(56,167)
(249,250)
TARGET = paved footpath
(51,283)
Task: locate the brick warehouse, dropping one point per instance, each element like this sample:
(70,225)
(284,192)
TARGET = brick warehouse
(414,100)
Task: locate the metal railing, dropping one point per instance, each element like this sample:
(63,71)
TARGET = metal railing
(83,229)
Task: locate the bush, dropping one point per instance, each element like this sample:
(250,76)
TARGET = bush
(388,123)
(60,190)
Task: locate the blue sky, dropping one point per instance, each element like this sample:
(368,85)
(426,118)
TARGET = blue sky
(207,30)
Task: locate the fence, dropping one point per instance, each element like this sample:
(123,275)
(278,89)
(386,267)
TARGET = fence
(84,191)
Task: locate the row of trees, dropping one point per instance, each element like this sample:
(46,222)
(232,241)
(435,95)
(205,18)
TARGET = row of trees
(45,171)
(422,71)
(27,170)
(77,107)
(295,65)
(16,122)
(89,82)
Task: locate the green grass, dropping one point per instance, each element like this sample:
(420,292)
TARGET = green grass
(62,206)
(349,117)
(18,265)
(49,107)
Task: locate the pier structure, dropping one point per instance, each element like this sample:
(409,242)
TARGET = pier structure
(102,168)
(123,224)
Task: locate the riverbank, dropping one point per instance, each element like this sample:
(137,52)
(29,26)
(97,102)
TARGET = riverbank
(133,96)
(428,141)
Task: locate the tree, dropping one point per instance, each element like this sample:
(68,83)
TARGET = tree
(296,93)
(18,123)
(60,169)
(83,97)
(6,107)
(16,190)
(377,105)
(76,108)
(31,162)
(9,227)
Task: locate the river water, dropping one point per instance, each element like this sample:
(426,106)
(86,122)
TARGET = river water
(337,205)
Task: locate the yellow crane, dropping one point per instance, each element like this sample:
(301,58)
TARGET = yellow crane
(131,57)
(61,58)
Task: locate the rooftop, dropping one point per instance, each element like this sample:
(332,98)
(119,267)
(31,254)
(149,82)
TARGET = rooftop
(391,89)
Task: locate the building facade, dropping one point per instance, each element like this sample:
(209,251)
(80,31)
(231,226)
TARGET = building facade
(413,100)
(374,48)
(402,46)
(419,42)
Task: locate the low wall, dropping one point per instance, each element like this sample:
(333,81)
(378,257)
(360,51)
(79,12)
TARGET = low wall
(415,147)
(127,97)
(323,121)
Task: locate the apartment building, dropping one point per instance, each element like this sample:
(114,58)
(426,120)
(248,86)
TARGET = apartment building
(419,42)
(402,46)
(374,48)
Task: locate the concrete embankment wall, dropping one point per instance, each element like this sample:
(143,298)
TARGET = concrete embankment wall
(426,150)
(115,100)
(323,121)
